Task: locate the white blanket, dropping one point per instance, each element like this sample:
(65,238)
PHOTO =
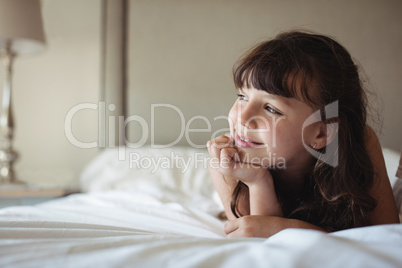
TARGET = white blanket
(131,218)
(126,229)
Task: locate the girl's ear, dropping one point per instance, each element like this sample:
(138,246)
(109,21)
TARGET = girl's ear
(324,134)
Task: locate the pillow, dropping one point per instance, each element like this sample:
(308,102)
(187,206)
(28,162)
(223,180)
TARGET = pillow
(399,171)
(393,162)
(391,159)
(397,189)
(175,174)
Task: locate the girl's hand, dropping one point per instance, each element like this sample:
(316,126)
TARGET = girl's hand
(224,185)
(225,162)
(263,226)
(254,226)
(221,148)
(225,159)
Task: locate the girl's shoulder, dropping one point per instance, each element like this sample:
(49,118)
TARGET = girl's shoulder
(373,147)
(385,211)
(374,151)
(370,137)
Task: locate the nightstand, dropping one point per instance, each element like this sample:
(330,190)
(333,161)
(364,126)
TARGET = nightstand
(25,195)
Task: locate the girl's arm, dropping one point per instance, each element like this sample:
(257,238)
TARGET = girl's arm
(263,199)
(263,226)
(224,185)
(225,189)
(385,212)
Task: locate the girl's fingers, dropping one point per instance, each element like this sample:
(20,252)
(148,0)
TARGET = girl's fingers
(222,154)
(216,145)
(230,226)
(227,160)
(221,142)
(221,139)
(229,164)
(209,147)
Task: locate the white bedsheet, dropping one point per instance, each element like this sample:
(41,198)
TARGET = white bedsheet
(139,229)
(165,217)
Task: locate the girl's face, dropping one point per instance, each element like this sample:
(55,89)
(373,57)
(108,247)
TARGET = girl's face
(267,129)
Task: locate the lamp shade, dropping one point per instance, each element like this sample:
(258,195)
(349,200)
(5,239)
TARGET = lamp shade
(21,26)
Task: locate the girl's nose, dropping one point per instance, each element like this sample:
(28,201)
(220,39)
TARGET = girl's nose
(247,117)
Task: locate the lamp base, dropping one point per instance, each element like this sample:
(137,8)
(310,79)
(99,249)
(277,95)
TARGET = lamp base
(7,154)
(7,174)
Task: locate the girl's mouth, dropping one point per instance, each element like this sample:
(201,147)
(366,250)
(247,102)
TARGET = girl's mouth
(244,142)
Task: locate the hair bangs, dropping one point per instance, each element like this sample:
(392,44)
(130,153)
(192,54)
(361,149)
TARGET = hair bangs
(273,69)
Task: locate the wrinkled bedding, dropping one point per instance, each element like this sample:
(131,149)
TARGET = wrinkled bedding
(135,217)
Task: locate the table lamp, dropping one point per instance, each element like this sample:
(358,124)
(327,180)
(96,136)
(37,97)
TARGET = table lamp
(21,32)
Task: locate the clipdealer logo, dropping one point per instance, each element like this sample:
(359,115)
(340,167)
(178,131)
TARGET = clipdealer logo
(330,111)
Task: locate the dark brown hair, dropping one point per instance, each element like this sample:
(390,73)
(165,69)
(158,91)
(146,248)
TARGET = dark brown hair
(334,198)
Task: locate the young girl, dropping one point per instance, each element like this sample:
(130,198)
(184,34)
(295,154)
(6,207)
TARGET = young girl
(300,154)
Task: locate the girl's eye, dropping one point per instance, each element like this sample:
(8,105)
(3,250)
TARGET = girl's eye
(271,110)
(242,97)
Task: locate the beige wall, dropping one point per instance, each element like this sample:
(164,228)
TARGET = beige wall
(182,52)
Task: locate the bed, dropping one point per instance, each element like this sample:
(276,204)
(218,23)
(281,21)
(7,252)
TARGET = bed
(157,208)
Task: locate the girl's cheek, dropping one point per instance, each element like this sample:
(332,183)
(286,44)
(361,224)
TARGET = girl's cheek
(286,137)
(232,117)
(275,136)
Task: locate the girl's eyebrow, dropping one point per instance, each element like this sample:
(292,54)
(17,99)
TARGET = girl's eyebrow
(280,99)
(274,97)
